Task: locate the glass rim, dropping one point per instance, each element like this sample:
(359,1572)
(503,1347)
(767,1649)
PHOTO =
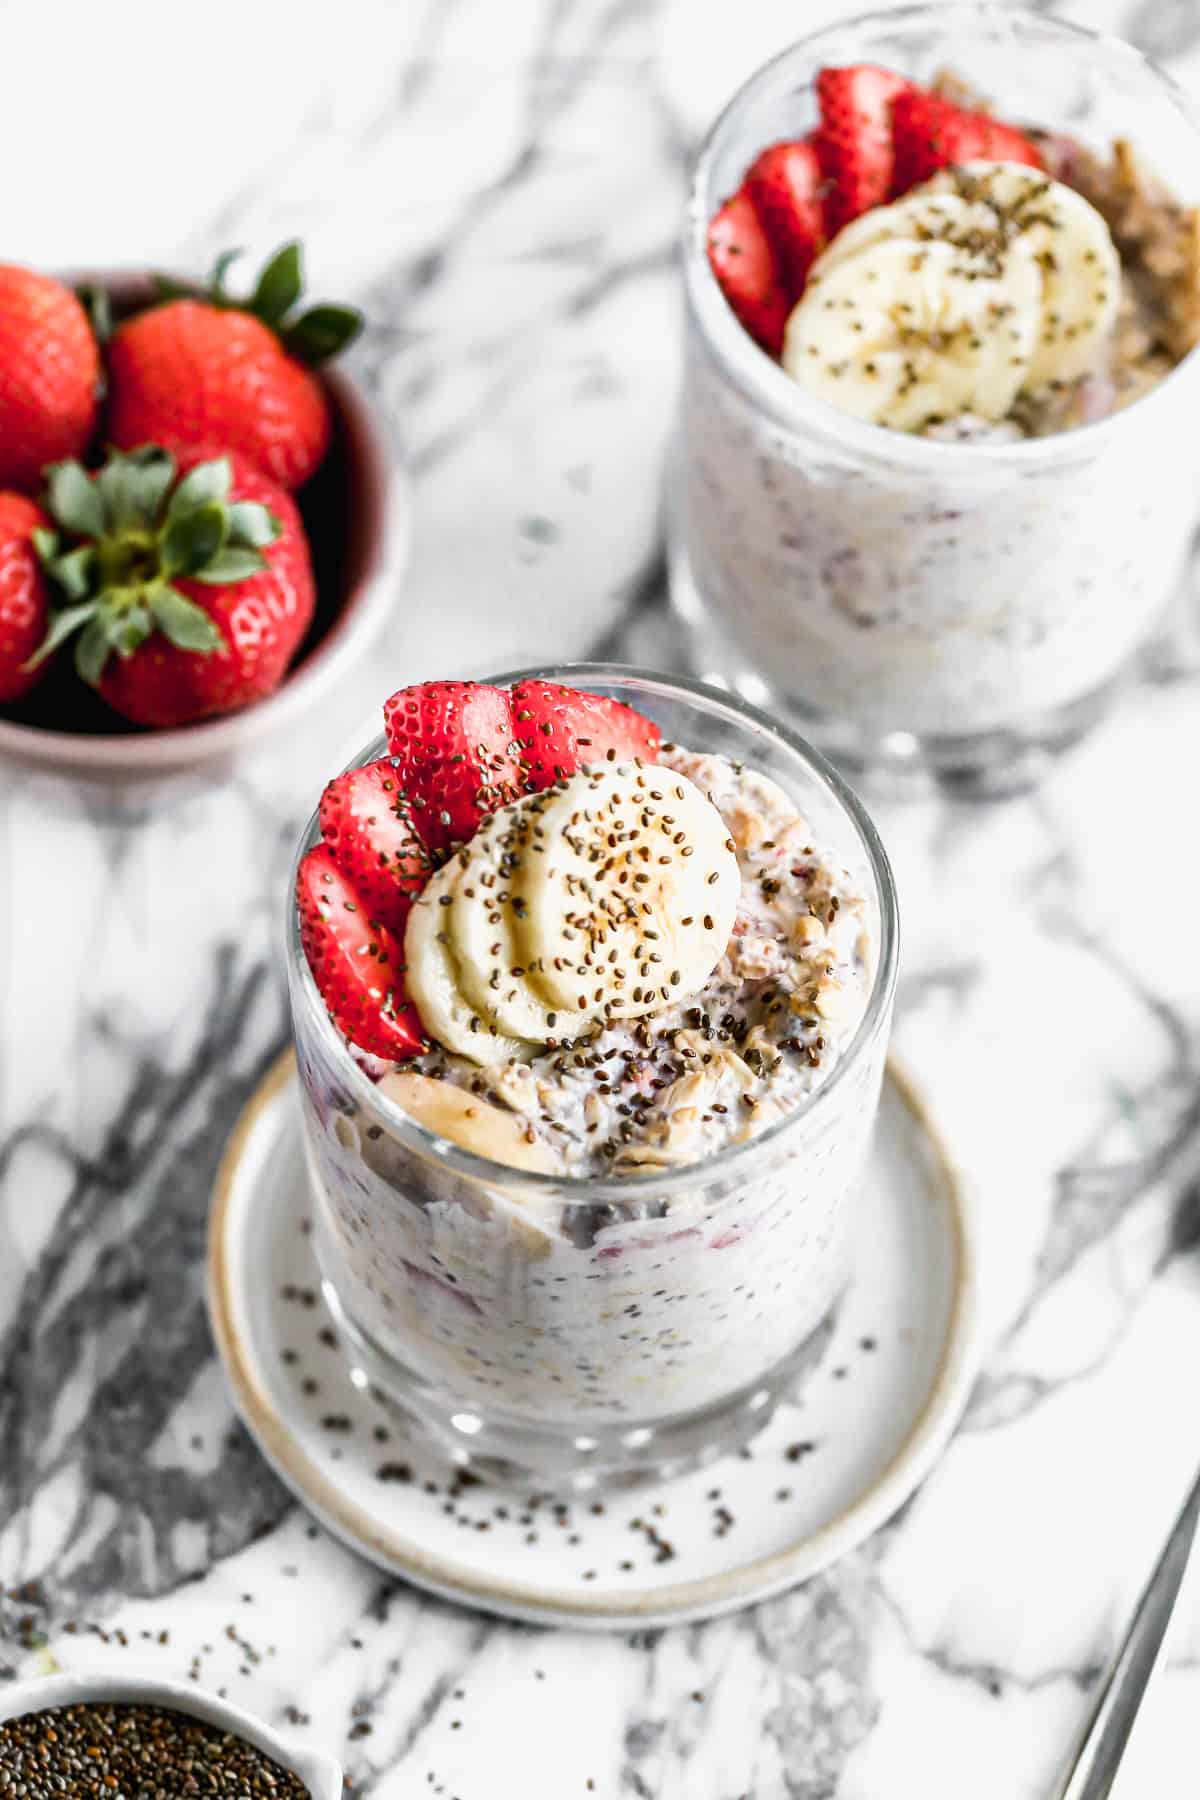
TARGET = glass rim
(763,381)
(603,1189)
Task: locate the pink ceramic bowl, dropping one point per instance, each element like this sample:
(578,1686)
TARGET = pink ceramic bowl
(356,513)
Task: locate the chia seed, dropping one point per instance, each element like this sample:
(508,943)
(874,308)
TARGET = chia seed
(106,1751)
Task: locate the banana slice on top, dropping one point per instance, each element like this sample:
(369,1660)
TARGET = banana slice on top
(1080,264)
(434,980)
(930,214)
(466,1120)
(608,896)
(482,926)
(906,332)
(631,901)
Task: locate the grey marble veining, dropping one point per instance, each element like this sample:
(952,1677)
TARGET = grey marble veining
(500,188)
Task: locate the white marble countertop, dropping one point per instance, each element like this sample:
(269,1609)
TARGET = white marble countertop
(499,185)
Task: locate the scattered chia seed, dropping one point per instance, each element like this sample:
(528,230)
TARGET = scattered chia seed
(394,1472)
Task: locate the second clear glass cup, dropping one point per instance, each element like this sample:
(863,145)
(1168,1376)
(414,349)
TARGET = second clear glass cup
(567,1332)
(965,609)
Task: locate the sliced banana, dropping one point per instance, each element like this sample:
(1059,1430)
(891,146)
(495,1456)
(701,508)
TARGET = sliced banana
(482,926)
(466,1120)
(998,216)
(632,901)
(1080,265)
(929,214)
(904,333)
(605,897)
(433,978)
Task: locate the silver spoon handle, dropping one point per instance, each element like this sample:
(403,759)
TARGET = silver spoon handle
(1106,1733)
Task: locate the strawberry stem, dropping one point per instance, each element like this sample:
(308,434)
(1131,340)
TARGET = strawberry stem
(314,336)
(124,537)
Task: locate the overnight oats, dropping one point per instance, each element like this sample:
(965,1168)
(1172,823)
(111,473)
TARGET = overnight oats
(936,480)
(590,988)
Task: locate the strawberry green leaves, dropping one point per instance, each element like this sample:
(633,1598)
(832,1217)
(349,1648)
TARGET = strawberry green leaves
(62,625)
(123,540)
(321,333)
(187,625)
(73,501)
(279,286)
(191,540)
(314,336)
(207,484)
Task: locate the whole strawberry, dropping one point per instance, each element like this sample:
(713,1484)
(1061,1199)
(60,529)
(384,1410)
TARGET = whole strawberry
(186,582)
(24,601)
(49,372)
(206,369)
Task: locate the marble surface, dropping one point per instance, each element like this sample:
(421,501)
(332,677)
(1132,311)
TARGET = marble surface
(500,187)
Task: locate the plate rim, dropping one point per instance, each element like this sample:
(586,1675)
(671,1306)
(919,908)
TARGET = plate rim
(700,1597)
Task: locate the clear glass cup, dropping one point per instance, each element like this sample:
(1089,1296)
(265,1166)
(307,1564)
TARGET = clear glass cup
(571,1331)
(960,609)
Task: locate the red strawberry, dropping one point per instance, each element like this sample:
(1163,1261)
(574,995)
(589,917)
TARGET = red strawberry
(357,964)
(207,370)
(453,744)
(560,730)
(785,184)
(24,601)
(49,371)
(365,822)
(190,595)
(854,141)
(741,258)
(930,134)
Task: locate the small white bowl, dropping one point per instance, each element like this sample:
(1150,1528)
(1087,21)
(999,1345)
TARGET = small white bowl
(320,1774)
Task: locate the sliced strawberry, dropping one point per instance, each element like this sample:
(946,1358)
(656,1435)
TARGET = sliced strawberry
(854,141)
(741,258)
(365,820)
(929,134)
(559,730)
(785,184)
(357,964)
(453,744)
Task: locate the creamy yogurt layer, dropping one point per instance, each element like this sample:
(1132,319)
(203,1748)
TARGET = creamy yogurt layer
(899,595)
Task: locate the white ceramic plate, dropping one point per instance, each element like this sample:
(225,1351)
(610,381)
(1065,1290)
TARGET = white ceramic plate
(827,1471)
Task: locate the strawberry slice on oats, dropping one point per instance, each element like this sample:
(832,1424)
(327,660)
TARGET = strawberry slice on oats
(357,963)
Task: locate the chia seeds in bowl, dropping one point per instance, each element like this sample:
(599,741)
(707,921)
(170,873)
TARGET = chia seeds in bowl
(95,1750)
(632,1248)
(97,1737)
